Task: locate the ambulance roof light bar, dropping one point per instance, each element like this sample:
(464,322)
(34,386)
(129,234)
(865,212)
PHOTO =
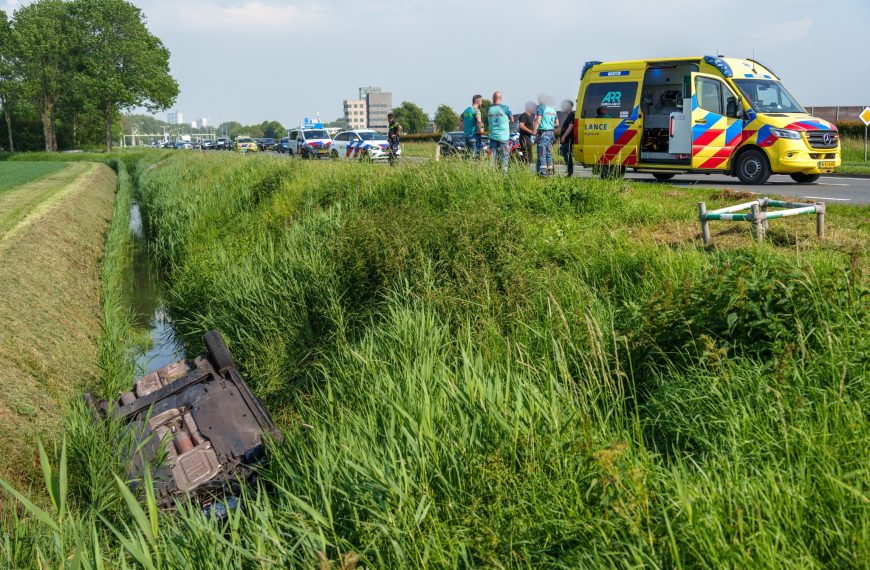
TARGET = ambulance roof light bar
(719,64)
(587,66)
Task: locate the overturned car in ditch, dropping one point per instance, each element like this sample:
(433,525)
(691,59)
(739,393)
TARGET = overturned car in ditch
(195,425)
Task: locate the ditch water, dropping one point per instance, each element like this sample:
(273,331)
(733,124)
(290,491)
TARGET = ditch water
(146,299)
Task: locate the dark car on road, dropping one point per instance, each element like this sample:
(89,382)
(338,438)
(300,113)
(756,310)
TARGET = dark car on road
(454,144)
(283,145)
(196,425)
(266,144)
(223,143)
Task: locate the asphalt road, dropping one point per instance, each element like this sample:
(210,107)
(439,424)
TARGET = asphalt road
(829,189)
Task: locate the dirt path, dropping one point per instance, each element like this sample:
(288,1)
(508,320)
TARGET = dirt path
(51,241)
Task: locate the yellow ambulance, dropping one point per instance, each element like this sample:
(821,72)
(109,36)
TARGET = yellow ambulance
(706,115)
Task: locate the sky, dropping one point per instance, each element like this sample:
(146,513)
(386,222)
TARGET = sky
(256,60)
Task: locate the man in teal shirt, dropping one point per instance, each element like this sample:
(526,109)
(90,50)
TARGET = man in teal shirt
(546,122)
(499,117)
(472,125)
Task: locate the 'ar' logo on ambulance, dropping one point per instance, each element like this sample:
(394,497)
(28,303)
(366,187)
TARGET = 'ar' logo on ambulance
(613,97)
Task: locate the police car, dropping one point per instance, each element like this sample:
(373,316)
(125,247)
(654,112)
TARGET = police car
(361,145)
(310,142)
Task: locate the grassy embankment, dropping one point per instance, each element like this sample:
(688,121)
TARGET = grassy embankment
(53,219)
(853,157)
(511,372)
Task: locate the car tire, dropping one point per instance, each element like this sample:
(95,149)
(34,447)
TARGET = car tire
(752,167)
(333,155)
(801,178)
(218,351)
(663,176)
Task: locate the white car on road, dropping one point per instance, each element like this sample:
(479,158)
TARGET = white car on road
(309,143)
(360,145)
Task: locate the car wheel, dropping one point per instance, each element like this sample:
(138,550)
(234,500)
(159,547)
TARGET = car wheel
(805,178)
(752,167)
(662,176)
(218,351)
(333,155)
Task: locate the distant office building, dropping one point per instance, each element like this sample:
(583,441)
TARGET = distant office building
(175,118)
(364,91)
(378,104)
(355,113)
(203,123)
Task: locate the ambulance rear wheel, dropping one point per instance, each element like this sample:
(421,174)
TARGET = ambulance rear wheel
(752,167)
(801,178)
(662,176)
(611,172)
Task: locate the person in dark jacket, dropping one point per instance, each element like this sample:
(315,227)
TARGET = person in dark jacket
(566,137)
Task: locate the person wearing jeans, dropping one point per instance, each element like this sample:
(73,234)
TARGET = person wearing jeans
(472,126)
(546,122)
(499,118)
(566,138)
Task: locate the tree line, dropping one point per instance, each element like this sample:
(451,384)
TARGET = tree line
(414,120)
(68,69)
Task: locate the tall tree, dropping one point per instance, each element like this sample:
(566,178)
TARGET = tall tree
(123,65)
(9,85)
(40,34)
(273,129)
(446,119)
(412,118)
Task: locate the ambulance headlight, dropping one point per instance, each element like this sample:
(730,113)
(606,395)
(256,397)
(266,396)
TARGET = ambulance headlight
(785,134)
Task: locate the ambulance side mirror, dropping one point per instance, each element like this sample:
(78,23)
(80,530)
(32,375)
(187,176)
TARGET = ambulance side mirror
(733,109)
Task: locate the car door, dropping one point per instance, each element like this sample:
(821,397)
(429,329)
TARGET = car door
(339,144)
(715,134)
(609,123)
(354,142)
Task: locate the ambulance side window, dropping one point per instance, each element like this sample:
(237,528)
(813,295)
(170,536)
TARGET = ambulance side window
(609,100)
(709,94)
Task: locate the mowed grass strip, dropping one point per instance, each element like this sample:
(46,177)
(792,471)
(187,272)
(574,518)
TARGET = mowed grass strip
(13,174)
(50,309)
(27,201)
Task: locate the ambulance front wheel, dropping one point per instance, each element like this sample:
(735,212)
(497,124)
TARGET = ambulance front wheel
(752,167)
(663,176)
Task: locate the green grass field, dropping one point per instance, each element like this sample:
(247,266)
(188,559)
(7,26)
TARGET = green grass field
(14,174)
(853,157)
(484,371)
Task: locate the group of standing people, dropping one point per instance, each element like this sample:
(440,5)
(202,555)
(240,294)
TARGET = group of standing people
(537,123)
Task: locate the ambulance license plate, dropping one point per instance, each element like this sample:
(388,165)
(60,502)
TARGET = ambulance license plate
(827,164)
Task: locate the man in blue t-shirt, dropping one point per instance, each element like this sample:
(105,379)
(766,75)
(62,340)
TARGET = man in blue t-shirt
(546,122)
(499,118)
(472,125)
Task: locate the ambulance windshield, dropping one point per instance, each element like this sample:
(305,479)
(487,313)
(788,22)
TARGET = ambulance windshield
(768,96)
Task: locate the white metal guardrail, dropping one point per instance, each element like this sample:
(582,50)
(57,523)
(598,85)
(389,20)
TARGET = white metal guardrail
(759,215)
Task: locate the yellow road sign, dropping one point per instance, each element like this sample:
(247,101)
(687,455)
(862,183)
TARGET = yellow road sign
(865,116)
